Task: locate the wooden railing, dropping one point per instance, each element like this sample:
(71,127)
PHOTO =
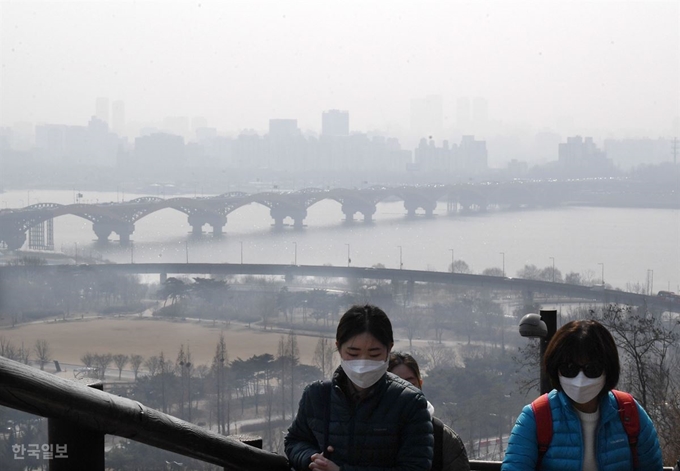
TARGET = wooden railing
(79,416)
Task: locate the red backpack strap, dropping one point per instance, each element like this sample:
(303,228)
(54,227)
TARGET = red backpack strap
(544,430)
(628,412)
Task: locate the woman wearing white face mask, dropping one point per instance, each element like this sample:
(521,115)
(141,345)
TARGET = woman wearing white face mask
(588,434)
(364,419)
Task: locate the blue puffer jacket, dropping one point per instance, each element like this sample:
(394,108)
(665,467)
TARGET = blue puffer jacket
(566,449)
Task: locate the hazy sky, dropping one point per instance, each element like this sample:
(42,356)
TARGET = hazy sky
(605,64)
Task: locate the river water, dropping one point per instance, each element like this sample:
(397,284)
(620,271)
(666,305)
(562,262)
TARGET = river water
(628,245)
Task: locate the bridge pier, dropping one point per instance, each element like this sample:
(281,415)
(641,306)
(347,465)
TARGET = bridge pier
(413,203)
(216,221)
(13,239)
(351,209)
(124,232)
(103,230)
(279,214)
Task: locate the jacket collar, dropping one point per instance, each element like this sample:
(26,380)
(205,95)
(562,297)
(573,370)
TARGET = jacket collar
(607,406)
(342,382)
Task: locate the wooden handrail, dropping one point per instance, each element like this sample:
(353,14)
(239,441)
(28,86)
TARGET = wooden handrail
(40,393)
(37,392)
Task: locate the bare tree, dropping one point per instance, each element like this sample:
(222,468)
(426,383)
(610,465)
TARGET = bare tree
(152,365)
(120,360)
(436,355)
(323,356)
(528,361)
(219,368)
(103,361)
(135,363)
(646,347)
(7,349)
(24,354)
(293,353)
(42,352)
(650,366)
(88,359)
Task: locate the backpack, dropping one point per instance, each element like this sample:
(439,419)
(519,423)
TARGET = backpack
(628,413)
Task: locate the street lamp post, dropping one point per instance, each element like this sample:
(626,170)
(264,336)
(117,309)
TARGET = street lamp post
(186,249)
(349,260)
(541,325)
(453,260)
(553,270)
(503,254)
(401,263)
(295,254)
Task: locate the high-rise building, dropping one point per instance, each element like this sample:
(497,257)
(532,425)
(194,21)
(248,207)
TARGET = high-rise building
(177,125)
(102,109)
(472,155)
(198,122)
(335,123)
(283,128)
(463,114)
(427,116)
(118,117)
(480,111)
(580,153)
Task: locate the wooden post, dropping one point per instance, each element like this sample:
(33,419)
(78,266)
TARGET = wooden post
(83,446)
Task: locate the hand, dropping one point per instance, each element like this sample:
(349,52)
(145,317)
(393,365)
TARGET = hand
(323,464)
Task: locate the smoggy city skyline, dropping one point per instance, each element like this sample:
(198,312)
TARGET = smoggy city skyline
(574,67)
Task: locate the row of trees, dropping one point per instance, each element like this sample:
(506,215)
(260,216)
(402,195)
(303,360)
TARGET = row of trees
(41,349)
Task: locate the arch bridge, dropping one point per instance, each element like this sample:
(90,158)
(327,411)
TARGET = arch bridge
(107,218)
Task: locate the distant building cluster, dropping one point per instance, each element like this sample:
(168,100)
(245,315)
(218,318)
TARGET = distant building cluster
(580,154)
(469,157)
(181,142)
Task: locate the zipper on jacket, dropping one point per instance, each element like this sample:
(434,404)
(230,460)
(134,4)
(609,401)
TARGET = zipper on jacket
(352,421)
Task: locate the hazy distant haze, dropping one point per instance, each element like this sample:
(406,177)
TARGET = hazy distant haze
(605,65)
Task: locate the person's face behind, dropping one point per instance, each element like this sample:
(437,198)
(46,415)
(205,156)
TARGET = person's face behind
(406,373)
(363,347)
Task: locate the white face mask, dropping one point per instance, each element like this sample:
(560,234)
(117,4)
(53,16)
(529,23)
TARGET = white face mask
(582,389)
(364,373)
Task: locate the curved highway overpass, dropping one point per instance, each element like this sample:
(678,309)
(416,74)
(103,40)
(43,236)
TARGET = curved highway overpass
(595,294)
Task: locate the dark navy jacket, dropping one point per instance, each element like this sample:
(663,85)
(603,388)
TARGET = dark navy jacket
(390,429)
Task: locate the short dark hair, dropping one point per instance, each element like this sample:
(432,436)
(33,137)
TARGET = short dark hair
(580,339)
(406,359)
(367,318)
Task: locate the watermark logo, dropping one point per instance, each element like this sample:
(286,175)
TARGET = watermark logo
(45,451)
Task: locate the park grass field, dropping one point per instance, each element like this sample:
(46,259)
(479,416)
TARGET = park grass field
(70,340)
